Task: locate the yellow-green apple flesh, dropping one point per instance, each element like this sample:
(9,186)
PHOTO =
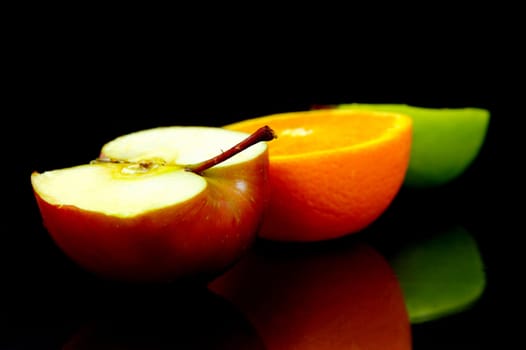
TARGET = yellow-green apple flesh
(148,210)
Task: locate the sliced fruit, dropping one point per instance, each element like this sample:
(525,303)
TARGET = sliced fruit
(446,141)
(157,205)
(332,172)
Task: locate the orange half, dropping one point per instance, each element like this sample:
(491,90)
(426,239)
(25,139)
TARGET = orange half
(332,172)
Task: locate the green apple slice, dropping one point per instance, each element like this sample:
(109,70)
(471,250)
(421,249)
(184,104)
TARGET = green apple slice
(440,275)
(446,141)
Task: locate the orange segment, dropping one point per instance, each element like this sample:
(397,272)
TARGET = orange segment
(332,172)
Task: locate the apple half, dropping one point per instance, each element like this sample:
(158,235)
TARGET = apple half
(159,204)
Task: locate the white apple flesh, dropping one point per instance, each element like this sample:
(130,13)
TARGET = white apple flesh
(138,213)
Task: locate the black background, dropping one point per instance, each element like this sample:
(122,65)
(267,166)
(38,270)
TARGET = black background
(72,87)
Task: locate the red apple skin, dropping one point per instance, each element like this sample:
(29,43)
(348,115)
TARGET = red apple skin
(202,236)
(344,298)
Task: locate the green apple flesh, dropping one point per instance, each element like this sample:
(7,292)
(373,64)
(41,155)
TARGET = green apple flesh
(138,214)
(446,141)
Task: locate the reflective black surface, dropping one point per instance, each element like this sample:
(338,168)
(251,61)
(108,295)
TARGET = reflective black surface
(48,302)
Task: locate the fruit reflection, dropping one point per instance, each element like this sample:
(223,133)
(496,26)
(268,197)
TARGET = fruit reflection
(440,274)
(165,319)
(341,295)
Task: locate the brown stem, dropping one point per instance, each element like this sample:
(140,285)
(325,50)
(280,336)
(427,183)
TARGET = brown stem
(264,133)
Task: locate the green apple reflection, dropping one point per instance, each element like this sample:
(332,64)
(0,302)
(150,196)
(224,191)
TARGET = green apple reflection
(334,296)
(440,275)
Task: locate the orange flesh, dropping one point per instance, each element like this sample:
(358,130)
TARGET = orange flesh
(332,172)
(299,136)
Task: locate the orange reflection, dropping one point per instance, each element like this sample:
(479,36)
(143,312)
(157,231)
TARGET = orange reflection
(337,296)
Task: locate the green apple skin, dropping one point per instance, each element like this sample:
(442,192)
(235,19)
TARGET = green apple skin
(446,141)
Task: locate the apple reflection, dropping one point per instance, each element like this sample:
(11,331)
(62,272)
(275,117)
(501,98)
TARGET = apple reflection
(340,295)
(441,273)
(165,318)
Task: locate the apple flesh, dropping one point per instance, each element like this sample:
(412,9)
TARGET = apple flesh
(138,213)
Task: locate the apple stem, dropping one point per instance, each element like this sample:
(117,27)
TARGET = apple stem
(264,133)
